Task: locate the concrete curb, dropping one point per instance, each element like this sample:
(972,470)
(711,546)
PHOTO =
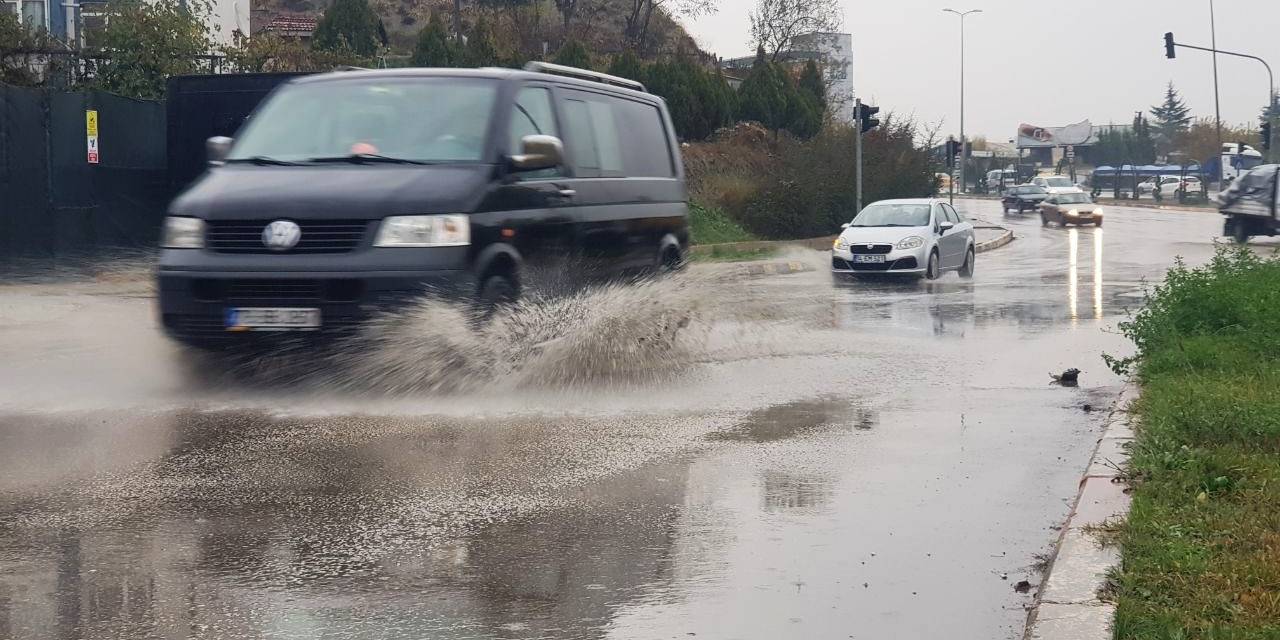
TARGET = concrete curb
(1067,605)
(773,268)
(995,243)
(755,245)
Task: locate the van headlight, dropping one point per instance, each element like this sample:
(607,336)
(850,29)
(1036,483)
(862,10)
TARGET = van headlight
(182,232)
(910,242)
(424,231)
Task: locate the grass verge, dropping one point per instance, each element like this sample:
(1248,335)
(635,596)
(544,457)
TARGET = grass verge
(710,225)
(1201,547)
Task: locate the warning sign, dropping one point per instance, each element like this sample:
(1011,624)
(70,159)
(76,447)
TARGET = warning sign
(91,134)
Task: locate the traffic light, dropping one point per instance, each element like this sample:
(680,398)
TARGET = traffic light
(868,122)
(953,150)
(1265,132)
(1168,46)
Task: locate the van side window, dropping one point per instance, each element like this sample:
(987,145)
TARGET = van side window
(597,125)
(532,114)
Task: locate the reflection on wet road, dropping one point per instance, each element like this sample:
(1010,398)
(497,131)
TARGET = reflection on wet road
(827,460)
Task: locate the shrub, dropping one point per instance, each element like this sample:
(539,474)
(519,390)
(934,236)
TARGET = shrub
(709,225)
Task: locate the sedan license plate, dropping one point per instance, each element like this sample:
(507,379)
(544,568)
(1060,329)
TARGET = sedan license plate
(868,259)
(271,319)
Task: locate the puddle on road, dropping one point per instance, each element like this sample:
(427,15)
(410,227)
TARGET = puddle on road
(798,418)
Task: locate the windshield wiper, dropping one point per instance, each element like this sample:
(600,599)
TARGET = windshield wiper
(359,158)
(264,160)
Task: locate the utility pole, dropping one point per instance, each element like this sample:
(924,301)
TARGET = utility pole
(857,145)
(964,142)
(1217,110)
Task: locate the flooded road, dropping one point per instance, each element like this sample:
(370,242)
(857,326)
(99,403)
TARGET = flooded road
(805,460)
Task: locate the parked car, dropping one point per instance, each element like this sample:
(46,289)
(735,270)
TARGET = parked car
(921,237)
(351,192)
(1070,208)
(1180,188)
(1148,187)
(1056,184)
(1023,197)
(1001,179)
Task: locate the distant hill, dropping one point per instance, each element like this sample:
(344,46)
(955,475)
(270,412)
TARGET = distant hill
(600,24)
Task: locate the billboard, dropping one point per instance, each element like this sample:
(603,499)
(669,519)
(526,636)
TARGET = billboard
(1031,136)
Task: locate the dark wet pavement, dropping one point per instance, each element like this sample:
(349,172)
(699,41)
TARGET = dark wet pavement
(869,460)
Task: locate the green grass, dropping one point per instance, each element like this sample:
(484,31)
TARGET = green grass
(713,226)
(1201,547)
(734,255)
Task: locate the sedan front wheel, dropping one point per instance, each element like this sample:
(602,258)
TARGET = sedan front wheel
(934,270)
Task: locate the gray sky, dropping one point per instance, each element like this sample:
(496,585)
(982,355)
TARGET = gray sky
(1044,63)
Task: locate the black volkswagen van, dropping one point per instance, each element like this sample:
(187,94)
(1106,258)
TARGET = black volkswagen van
(349,192)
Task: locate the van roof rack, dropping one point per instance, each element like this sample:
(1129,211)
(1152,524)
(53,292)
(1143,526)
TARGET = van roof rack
(583,74)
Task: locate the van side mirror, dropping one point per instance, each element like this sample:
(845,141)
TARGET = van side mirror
(539,152)
(216,148)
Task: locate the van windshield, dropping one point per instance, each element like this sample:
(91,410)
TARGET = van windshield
(411,119)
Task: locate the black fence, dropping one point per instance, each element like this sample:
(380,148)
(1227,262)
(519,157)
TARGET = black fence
(53,201)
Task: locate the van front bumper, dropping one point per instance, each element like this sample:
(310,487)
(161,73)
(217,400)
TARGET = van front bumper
(195,291)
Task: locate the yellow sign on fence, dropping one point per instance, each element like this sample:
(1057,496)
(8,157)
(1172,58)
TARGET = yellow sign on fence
(91,134)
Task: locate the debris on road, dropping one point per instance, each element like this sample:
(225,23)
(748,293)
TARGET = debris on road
(1068,378)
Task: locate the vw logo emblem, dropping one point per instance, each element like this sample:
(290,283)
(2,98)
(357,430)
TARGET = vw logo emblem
(281,235)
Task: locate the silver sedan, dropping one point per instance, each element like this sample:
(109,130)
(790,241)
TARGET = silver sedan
(917,237)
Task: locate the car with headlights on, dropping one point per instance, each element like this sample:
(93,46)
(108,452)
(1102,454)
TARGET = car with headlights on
(1070,208)
(914,237)
(351,192)
(1023,197)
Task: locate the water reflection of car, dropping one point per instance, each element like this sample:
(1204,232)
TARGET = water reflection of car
(351,192)
(1056,184)
(923,237)
(1024,197)
(1070,208)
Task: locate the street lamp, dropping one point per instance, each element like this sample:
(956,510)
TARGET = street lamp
(964,142)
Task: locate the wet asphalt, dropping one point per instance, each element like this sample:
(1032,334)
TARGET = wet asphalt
(874,459)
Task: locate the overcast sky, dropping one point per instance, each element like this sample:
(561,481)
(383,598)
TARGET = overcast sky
(1043,63)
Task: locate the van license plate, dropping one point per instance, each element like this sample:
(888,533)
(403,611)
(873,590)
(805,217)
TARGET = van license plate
(871,259)
(271,319)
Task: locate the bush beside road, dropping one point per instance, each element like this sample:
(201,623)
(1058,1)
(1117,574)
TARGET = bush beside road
(1201,548)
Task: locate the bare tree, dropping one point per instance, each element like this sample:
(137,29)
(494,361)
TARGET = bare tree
(776,23)
(640,13)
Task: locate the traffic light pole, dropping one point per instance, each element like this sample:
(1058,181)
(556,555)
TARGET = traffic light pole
(857,145)
(1271,80)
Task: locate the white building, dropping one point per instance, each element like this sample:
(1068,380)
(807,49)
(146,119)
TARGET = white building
(834,54)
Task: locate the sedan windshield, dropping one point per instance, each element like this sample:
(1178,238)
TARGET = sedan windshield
(893,215)
(1058,182)
(1074,198)
(393,120)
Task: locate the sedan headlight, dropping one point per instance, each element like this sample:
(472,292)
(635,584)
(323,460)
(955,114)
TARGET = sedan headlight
(910,242)
(840,244)
(181,232)
(1098,211)
(424,231)
(1073,213)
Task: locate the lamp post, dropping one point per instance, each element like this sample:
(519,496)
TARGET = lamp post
(964,142)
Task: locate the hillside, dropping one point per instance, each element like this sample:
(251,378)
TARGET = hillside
(600,24)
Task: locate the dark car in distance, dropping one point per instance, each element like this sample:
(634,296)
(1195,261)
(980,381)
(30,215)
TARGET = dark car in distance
(350,192)
(1022,198)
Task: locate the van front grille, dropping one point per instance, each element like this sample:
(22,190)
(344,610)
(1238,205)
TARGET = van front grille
(318,236)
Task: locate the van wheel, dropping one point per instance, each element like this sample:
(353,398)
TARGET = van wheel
(966,269)
(671,260)
(496,291)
